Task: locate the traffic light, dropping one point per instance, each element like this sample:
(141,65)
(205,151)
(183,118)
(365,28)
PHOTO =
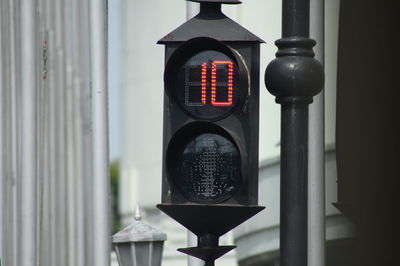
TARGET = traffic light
(211,116)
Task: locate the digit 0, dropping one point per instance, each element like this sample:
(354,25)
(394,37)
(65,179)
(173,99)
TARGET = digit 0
(203,85)
(229,83)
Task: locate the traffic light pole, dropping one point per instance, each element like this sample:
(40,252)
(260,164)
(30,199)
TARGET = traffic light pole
(294,77)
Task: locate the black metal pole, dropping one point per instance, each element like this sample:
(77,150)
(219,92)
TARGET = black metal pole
(295,18)
(294,77)
(293,221)
(209,263)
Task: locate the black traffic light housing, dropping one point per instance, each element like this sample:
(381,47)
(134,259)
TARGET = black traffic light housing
(211,116)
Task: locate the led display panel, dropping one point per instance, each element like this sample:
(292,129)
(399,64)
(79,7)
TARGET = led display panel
(207,85)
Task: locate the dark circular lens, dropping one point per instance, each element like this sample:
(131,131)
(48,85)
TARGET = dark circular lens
(208,168)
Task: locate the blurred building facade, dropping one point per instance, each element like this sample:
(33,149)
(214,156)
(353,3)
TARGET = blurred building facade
(141,61)
(53,141)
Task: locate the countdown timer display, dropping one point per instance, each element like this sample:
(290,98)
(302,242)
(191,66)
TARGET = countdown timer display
(208,168)
(207,85)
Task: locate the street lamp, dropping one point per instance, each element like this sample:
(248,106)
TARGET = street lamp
(139,244)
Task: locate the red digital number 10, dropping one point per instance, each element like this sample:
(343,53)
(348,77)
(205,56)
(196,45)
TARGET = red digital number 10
(229,83)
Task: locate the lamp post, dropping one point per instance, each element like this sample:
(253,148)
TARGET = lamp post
(139,244)
(294,77)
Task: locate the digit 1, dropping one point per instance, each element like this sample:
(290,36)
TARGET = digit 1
(214,83)
(203,82)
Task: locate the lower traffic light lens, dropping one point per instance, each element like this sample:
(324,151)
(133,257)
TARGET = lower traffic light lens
(208,168)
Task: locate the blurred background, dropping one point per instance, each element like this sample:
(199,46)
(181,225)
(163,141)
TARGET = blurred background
(81,101)
(136,65)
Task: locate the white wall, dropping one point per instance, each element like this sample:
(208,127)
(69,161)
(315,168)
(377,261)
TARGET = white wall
(142,62)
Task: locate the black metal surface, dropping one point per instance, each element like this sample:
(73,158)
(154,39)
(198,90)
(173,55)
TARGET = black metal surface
(207,253)
(208,223)
(294,77)
(293,222)
(209,219)
(295,18)
(241,124)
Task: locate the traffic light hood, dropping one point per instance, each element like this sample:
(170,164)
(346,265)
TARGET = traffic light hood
(212,23)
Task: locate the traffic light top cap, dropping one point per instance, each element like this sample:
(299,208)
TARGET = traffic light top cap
(211,23)
(217,1)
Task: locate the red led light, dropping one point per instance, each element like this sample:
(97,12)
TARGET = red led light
(215,86)
(203,82)
(214,83)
